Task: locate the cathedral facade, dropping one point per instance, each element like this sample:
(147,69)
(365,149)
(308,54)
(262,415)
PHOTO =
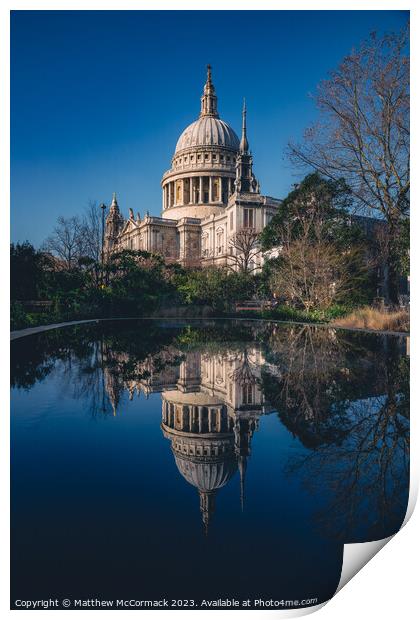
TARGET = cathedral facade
(210,197)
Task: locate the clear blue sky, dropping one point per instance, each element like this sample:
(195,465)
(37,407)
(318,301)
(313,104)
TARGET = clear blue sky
(99,98)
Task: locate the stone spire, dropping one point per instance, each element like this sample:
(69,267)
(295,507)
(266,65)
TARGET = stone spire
(244,428)
(114,207)
(209,99)
(113,389)
(242,463)
(207,507)
(244,146)
(245,180)
(114,225)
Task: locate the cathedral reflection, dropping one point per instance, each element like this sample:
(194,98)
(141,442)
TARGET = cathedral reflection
(211,405)
(343,396)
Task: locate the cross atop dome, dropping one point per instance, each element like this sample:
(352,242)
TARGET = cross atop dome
(209,99)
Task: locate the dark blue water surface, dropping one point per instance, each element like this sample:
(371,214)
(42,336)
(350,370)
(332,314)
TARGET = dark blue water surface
(201,461)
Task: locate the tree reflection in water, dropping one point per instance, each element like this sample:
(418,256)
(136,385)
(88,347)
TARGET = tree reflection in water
(345,396)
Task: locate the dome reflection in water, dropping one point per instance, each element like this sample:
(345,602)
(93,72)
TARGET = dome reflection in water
(205,460)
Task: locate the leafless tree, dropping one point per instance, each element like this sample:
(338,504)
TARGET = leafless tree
(66,241)
(363,134)
(311,272)
(191,254)
(246,373)
(353,418)
(91,240)
(244,248)
(309,361)
(91,230)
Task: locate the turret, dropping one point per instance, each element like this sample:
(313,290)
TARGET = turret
(245,180)
(244,428)
(243,145)
(114,225)
(207,508)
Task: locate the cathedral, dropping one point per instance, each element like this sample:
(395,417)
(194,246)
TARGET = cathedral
(210,196)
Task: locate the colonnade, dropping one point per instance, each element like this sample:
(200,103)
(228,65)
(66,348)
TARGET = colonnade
(195,418)
(197,190)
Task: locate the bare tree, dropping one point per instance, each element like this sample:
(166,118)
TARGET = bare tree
(312,272)
(91,241)
(363,134)
(91,231)
(66,241)
(359,445)
(191,253)
(246,372)
(244,248)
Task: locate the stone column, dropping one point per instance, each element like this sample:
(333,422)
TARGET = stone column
(182,190)
(163,199)
(210,189)
(191,190)
(200,416)
(200,193)
(220,189)
(190,411)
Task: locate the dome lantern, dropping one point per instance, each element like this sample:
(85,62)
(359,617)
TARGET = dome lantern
(203,167)
(209,99)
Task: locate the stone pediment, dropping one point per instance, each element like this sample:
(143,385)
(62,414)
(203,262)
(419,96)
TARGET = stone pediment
(129,226)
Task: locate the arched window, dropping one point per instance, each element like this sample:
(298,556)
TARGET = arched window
(178,192)
(204,244)
(219,241)
(216,189)
(249,218)
(247,397)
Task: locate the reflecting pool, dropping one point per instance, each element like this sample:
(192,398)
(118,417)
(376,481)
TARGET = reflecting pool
(203,460)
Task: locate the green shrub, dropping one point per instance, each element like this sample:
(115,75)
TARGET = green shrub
(288,313)
(18,317)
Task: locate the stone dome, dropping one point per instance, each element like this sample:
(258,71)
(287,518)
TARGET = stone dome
(206,476)
(203,167)
(208,131)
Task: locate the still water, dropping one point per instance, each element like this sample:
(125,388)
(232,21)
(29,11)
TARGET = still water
(204,460)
